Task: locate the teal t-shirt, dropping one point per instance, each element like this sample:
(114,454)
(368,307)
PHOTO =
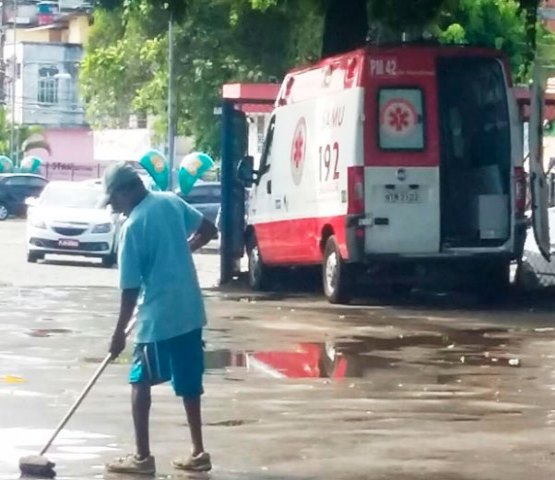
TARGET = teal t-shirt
(154,256)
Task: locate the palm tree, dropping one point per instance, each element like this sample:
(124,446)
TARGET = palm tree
(27,138)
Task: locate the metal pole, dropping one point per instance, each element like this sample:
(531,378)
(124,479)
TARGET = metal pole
(14,78)
(171,103)
(2,62)
(226,252)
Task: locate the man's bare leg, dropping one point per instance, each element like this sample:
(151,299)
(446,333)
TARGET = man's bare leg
(141,401)
(194,418)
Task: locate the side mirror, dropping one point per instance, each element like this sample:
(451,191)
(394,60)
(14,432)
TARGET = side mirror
(31,201)
(245,171)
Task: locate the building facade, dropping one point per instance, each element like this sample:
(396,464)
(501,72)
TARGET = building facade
(42,56)
(46,89)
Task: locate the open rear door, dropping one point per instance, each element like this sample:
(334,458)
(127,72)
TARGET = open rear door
(538,183)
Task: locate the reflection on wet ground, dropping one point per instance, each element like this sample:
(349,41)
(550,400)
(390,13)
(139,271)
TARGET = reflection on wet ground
(294,386)
(357,356)
(47,332)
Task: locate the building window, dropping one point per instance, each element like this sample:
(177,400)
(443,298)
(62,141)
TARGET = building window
(48,85)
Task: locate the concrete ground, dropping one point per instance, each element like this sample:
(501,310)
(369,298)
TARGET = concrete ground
(426,386)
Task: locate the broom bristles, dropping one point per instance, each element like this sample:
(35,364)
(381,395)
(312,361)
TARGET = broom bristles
(37,466)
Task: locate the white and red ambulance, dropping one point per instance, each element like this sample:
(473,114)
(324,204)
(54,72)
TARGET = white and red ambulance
(393,161)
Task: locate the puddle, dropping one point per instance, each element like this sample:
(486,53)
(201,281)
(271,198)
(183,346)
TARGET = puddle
(357,356)
(231,423)
(47,332)
(237,317)
(222,358)
(124,359)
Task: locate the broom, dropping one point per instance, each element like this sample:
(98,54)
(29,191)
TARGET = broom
(39,465)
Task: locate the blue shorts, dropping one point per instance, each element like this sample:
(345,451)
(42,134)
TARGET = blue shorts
(179,360)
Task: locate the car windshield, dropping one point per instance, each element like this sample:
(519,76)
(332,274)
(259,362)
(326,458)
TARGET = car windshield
(71,196)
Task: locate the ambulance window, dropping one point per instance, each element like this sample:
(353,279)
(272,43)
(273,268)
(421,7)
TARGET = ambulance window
(266,149)
(401,119)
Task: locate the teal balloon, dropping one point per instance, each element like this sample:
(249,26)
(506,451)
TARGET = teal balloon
(193,167)
(156,164)
(6,165)
(30,164)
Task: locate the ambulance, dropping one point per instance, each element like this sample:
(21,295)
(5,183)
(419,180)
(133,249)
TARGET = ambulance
(401,163)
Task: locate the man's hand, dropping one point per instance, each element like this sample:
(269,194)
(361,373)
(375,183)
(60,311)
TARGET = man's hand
(206,232)
(118,344)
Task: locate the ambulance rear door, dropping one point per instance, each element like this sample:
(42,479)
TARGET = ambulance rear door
(538,183)
(402,179)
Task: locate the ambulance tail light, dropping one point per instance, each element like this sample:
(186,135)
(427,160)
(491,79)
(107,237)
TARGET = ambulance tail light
(520,191)
(355,190)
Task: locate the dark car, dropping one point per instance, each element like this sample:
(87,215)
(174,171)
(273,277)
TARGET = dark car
(15,188)
(206,198)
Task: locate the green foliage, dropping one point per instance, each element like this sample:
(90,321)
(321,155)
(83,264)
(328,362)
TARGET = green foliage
(218,41)
(27,138)
(493,23)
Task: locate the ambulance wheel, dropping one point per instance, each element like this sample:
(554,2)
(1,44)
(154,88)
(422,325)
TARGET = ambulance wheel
(526,279)
(258,272)
(495,281)
(335,274)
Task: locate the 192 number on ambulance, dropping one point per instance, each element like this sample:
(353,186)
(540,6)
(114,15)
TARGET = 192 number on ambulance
(329,162)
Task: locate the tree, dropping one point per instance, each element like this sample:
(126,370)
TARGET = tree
(125,67)
(217,41)
(27,138)
(494,23)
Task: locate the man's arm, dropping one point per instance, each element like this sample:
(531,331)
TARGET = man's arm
(128,303)
(206,232)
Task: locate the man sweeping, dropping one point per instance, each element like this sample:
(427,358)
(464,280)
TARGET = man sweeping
(156,264)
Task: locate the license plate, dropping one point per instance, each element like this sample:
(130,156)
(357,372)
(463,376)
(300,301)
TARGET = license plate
(403,196)
(68,243)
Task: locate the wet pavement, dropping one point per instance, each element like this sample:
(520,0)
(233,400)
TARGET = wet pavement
(426,386)
(295,388)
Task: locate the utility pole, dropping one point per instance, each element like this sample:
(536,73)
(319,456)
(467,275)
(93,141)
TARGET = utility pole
(13,150)
(171,103)
(2,62)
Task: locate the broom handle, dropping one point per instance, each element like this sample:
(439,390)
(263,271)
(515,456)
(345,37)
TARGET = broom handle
(84,393)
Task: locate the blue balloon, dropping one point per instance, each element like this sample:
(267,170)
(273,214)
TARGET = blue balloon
(157,166)
(30,164)
(193,167)
(6,165)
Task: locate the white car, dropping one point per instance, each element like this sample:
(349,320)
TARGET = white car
(67,219)
(535,271)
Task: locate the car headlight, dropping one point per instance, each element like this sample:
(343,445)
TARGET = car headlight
(37,223)
(102,228)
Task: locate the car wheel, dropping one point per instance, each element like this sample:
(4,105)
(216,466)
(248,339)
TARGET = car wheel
(4,213)
(335,274)
(258,272)
(109,260)
(33,257)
